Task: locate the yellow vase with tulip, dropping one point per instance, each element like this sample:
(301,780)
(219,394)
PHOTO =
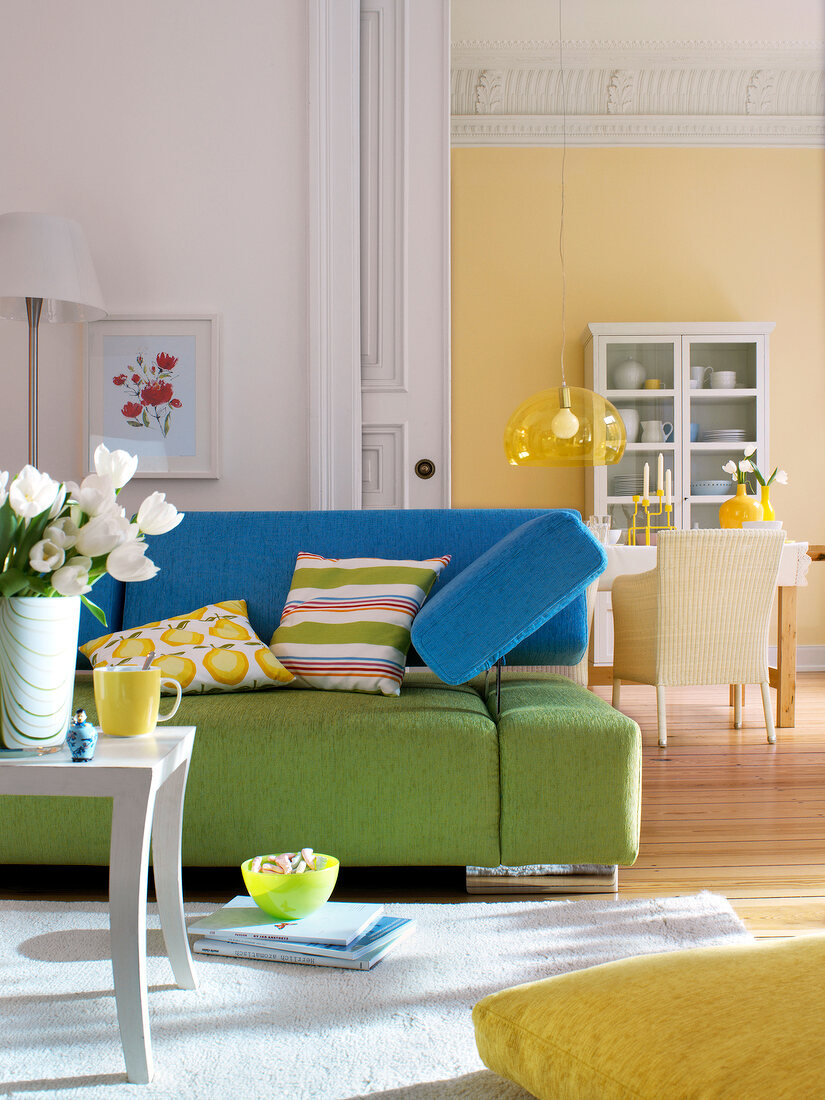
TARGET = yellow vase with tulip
(742,507)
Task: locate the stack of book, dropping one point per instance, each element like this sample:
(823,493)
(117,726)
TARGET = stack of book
(353,935)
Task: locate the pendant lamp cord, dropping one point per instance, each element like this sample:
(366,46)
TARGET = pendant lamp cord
(561,214)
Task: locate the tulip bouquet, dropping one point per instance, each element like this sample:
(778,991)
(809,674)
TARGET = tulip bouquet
(739,471)
(58,539)
(747,466)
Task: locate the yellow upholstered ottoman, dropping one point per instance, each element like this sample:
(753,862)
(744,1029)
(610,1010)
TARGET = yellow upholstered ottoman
(745,1022)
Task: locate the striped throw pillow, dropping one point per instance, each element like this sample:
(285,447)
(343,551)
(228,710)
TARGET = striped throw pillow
(346,622)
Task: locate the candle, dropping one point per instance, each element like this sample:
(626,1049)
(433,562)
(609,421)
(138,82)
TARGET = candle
(659,485)
(646,493)
(667,487)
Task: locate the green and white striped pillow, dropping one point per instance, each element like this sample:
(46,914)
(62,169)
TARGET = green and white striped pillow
(346,622)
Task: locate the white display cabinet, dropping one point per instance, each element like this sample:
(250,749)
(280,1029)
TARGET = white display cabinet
(708,424)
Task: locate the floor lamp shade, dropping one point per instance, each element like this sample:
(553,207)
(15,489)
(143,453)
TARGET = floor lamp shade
(45,256)
(46,271)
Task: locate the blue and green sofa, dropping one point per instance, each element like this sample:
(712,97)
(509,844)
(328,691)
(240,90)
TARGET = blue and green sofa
(444,773)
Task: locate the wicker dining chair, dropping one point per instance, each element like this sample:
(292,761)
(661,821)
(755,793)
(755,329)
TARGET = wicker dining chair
(700,617)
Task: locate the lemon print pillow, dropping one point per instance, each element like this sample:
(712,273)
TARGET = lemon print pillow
(211,649)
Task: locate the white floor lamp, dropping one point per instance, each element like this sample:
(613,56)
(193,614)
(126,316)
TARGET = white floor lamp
(45,269)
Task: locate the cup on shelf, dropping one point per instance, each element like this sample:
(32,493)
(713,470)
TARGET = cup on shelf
(723,380)
(653,384)
(694,432)
(656,431)
(699,375)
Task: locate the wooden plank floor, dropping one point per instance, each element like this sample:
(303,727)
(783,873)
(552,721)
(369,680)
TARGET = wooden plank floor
(721,810)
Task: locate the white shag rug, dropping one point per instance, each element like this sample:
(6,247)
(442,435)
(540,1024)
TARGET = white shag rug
(401,1031)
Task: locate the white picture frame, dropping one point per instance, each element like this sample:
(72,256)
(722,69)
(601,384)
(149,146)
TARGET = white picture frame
(151,388)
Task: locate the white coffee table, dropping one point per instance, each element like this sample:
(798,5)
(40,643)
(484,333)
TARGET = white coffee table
(146,779)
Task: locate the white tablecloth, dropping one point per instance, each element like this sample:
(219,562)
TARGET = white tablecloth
(793,566)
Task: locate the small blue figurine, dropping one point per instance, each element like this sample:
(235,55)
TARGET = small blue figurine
(81,738)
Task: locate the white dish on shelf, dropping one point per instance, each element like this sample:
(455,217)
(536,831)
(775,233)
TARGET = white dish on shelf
(711,488)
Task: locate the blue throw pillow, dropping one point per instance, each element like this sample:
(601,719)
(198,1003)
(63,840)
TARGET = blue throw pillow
(506,594)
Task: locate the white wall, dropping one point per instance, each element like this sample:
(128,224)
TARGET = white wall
(174,131)
(647,20)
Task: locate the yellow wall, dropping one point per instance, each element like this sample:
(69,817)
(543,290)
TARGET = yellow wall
(651,235)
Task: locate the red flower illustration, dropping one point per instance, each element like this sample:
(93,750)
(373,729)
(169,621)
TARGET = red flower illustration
(175,403)
(135,377)
(119,379)
(132,409)
(166,361)
(157,393)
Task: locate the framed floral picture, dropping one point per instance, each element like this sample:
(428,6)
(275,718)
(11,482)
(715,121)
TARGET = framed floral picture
(152,389)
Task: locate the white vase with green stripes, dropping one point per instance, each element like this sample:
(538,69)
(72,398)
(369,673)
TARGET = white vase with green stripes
(38,651)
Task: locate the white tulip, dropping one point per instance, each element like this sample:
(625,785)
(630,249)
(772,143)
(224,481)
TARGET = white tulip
(73,579)
(95,495)
(59,501)
(156,517)
(781,477)
(4,480)
(730,467)
(46,555)
(750,451)
(127,562)
(32,493)
(101,534)
(63,532)
(745,466)
(120,466)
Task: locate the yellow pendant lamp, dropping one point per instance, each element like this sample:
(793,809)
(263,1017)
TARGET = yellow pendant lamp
(565,425)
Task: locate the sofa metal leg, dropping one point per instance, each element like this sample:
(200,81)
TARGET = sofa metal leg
(558,881)
(661,715)
(617,692)
(737,706)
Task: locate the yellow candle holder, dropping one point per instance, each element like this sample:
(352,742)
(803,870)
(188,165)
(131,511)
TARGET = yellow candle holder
(665,511)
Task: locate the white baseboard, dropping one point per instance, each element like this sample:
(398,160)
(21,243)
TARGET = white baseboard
(809,658)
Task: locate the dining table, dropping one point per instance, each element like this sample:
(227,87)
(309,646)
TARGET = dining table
(793,569)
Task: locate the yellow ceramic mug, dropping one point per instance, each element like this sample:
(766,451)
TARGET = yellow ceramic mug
(128,699)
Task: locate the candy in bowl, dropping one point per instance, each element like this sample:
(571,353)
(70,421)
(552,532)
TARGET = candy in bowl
(289,894)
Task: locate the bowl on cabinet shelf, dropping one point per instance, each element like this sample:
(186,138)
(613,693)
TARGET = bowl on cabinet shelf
(711,488)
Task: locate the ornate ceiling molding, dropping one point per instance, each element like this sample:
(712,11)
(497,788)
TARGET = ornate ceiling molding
(679,93)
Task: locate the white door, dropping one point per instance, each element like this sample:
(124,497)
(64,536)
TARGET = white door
(405,240)
(378,253)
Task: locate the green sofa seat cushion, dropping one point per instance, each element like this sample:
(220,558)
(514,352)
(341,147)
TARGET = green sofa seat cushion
(570,773)
(374,780)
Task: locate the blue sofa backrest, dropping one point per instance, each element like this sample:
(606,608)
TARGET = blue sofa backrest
(215,556)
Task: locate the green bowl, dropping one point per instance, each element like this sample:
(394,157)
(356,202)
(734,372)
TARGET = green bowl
(290,897)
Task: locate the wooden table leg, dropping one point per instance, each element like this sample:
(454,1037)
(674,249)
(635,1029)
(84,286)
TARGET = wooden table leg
(128,868)
(786,657)
(166,859)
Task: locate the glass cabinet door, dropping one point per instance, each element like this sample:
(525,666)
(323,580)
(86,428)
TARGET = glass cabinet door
(643,381)
(723,416)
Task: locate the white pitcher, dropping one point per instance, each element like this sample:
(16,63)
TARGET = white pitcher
(656,431)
